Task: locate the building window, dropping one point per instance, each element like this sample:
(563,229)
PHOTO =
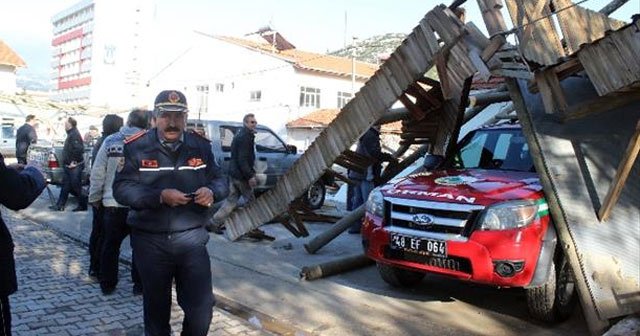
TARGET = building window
(202,88)
(219,87)
(343,99)
(309,97)
(255,96)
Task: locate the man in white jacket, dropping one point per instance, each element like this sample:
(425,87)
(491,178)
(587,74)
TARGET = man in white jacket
(105,166)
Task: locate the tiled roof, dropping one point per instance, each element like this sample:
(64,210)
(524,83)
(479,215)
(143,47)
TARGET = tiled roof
(305,60)
(321,119)
(10,57)
(316,119)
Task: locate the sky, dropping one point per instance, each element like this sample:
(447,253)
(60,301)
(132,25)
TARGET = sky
(317,26)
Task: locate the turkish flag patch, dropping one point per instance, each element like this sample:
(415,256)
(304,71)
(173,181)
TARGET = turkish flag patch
(195,162)
(149,164)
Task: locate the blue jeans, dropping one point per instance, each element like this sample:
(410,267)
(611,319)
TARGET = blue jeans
(361,192)
(72,184)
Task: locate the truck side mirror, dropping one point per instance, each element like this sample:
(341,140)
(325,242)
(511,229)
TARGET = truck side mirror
(291,149)
(432,161)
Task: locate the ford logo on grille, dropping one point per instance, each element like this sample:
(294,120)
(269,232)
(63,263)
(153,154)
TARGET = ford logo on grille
(422,219)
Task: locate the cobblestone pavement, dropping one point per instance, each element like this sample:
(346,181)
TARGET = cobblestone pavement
(56,296)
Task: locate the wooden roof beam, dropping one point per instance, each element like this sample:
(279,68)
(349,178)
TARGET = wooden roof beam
(621,176)
(612,6)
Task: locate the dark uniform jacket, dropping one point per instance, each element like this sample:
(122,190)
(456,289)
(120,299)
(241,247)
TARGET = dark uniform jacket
(369,146)
(17,191)
(149,168)
(25,136)
(243,155)
(73,149)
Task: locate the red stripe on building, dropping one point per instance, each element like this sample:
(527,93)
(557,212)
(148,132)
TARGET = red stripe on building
(74,83)
(67,37)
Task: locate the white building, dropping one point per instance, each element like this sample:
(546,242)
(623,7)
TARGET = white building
(99,52)
(9,62)
(227,77)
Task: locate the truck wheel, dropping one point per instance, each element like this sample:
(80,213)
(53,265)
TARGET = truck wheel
(314,197)
(399,277)
(555,300)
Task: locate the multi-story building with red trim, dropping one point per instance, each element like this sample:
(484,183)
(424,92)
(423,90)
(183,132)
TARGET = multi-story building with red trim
(98,48)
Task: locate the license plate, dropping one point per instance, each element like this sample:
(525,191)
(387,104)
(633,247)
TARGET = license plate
(432,247)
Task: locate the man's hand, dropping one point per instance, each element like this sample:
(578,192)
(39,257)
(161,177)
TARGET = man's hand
(204,197)
(253,182)
(174,197)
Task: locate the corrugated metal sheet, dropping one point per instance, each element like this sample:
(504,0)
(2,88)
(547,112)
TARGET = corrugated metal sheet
(580,159)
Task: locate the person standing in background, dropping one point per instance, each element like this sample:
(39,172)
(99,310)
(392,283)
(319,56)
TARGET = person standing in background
(110,124)
(25,136)
(368,146)
(73,165)
(19,187)
(115,226)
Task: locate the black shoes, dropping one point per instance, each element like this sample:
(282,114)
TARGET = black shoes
(80,208)
(137,289)
(107,290)
(56,208)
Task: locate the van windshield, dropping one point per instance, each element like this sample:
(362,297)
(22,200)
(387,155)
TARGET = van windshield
(498,149)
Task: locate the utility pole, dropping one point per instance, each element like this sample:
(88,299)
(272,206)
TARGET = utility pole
(353,66)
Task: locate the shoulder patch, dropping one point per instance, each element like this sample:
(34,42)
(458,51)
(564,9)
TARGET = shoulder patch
(135,137)
(199,133)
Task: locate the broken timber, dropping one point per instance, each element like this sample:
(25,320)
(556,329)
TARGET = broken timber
(407,64)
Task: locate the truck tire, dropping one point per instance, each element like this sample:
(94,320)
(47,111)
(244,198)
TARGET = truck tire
(555,300)
(399,277)
(314,197)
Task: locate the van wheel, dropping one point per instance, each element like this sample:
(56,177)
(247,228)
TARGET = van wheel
(399,277)
(314,197)
(555,300)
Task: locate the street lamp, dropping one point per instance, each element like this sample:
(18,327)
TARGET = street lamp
(353,66)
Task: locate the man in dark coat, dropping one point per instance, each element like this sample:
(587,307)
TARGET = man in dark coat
(369,146)
(19,186)
(242,175)
(73,165)
(25,136)
(169,179)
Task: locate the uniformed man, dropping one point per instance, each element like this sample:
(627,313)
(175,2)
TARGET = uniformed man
(169,179)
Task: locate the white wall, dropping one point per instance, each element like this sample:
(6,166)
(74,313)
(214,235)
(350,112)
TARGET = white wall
(7,78)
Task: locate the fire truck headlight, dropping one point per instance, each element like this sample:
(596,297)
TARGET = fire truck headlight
(509,215)
(375,203)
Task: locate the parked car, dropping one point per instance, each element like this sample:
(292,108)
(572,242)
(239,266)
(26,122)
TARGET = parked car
(273,156)
(8,137)
(478,216)
(49,158)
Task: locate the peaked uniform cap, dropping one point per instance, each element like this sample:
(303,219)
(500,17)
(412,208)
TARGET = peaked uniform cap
(171,101)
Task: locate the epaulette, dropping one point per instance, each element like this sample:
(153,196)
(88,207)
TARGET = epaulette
(135,137)
(199,134)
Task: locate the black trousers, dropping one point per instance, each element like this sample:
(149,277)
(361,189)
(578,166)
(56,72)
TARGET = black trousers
(95,241)
(115,231)
(183,257)
(5,316)
(72,184)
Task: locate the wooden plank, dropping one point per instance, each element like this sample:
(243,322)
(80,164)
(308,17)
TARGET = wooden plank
(544,47)
(581,25)
(430,99)
(416,112)
(494,45)
(513,73)
(552,95)
(622,173)
(601,104)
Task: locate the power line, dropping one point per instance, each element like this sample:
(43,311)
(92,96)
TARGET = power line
(516,28)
